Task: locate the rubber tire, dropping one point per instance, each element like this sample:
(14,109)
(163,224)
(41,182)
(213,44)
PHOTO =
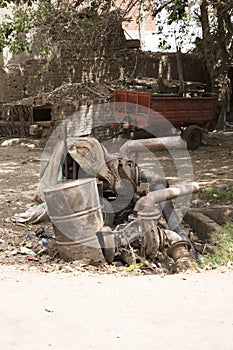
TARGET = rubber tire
(193,136)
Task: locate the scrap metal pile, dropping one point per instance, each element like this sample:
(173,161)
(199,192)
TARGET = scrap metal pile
(105,208)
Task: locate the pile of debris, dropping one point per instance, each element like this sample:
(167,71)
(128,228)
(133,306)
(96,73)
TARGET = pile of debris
(162,86)
(71,93)
(105,209)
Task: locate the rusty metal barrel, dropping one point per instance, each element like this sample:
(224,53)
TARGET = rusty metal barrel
(75,211)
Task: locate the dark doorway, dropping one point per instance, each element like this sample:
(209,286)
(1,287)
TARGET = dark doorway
(42,114)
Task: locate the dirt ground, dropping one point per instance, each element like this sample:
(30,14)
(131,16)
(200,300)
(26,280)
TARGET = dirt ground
(67,311)
(52,304)
(19,177)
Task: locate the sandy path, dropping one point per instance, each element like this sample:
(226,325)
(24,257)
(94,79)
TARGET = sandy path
(60,311)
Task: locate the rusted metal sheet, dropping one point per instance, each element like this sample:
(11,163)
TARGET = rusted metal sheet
(184,111)
(132,103)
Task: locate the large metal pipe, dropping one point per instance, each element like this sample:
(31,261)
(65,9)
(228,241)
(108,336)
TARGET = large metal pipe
(165,194)
(173,192)
(162,197)
(152,144)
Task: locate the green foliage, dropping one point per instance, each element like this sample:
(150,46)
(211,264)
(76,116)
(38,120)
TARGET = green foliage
(175,25)
(17,25)
(27,14)
(217,195)
(224,250)
(25,18)
(40,73)
(177,11)
(5,3)
(44,50)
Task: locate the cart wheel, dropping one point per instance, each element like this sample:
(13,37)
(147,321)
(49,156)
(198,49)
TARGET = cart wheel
(193,136)
(107,243)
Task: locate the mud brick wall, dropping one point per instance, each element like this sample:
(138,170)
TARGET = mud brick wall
(153,65)
(22,79)
(88,53)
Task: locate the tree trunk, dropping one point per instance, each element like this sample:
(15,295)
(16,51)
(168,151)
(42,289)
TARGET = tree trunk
(224,56)
(207,47)
(180,70)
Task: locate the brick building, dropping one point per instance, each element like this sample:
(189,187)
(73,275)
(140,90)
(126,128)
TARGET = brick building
(140,24)
(143,30)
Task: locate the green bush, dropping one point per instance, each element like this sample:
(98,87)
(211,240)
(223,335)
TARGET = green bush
(224,247)
(217,195)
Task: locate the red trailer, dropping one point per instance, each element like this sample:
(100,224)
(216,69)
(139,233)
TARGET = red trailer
(155,112)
